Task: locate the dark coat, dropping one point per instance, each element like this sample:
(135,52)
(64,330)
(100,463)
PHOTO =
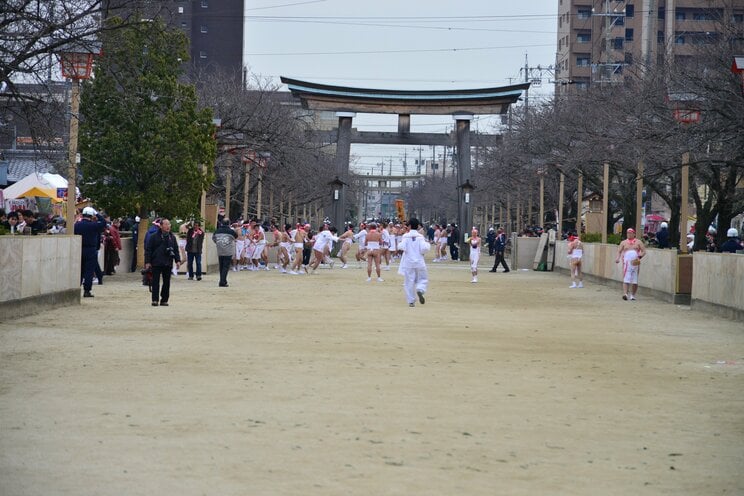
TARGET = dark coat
(500,242)
(156,250)
(90,231)
(194,244)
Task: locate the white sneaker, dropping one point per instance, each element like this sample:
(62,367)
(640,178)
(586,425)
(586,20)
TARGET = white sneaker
(581,285)
(369,279)
(632,297)
(293,272)
(474,279)
(380,279)
(387,267)
(573,285)
(344,266)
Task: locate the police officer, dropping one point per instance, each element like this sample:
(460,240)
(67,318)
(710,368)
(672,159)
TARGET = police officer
(89,228)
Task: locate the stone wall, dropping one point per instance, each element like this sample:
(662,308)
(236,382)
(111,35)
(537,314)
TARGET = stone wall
(38,272)
(717,278)
(657,275)
(718,284)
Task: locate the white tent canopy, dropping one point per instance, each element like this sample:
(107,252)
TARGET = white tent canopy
(46,182)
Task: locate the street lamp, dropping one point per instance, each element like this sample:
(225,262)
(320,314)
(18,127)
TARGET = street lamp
(76,62)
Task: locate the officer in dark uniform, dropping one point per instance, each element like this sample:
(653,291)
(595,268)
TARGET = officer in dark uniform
(89,228)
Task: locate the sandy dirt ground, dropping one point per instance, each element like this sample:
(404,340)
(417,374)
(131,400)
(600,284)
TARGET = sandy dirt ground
(328,385)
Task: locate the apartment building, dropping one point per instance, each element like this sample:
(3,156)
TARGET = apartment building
(603,41)
(214,27)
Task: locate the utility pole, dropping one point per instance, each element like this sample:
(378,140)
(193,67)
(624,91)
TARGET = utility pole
(609,66)
(535,76)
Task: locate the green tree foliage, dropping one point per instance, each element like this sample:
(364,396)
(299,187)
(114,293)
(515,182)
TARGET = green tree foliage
(143,139)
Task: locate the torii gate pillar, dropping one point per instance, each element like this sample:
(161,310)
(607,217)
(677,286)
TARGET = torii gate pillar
(343,152)
(465,189)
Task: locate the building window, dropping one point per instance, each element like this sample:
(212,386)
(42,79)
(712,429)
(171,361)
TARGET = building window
(584,37)
(202,54)
(584,13)
(204,4)
(620,21)
(680,15)
(183,24)
(629,11)
(582,61)
(707,15)
(628,58)
(203,28)
(679,39)
(628,34)
(617,43)
(180,10)
(661,13)
(738,18)
(660,37)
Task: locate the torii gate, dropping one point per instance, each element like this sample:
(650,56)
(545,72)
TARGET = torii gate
(461,104)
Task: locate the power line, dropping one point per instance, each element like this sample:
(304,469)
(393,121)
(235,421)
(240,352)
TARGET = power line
(427,50)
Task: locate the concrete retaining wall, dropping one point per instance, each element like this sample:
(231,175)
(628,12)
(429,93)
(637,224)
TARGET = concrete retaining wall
(657,276)
(38,273)
(718,284)
(717,278)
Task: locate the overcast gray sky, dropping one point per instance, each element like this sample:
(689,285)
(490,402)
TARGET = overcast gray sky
(399,44)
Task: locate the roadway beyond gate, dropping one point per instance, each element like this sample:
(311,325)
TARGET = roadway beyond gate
(328,385)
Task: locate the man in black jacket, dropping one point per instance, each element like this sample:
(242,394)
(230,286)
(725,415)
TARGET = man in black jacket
(160,253)
(500,248)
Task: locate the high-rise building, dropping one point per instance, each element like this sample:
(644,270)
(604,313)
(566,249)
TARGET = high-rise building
(214,28)
(602,41)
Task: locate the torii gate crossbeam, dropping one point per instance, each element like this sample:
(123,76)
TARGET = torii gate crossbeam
(461,104)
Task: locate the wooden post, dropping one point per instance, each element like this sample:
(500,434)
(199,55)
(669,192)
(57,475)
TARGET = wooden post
(541,220)
(228,186)
(203,201)
(246,189)
(271,203)
(72,157)
(508,215)
(605,200)
(580,203)
(561,185)
(258,194)
(683,209)
(639,200)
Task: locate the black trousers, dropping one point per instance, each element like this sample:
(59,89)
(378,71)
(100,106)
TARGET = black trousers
(224,269)
(164,292)
(500,260)
(88,265)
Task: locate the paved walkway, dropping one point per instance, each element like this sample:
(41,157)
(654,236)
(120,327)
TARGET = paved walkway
(328,385)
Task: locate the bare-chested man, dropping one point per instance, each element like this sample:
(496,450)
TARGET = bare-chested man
(374,241)
(631,251)
(298,243)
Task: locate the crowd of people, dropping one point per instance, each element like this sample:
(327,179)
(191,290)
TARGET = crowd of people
(244,246)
